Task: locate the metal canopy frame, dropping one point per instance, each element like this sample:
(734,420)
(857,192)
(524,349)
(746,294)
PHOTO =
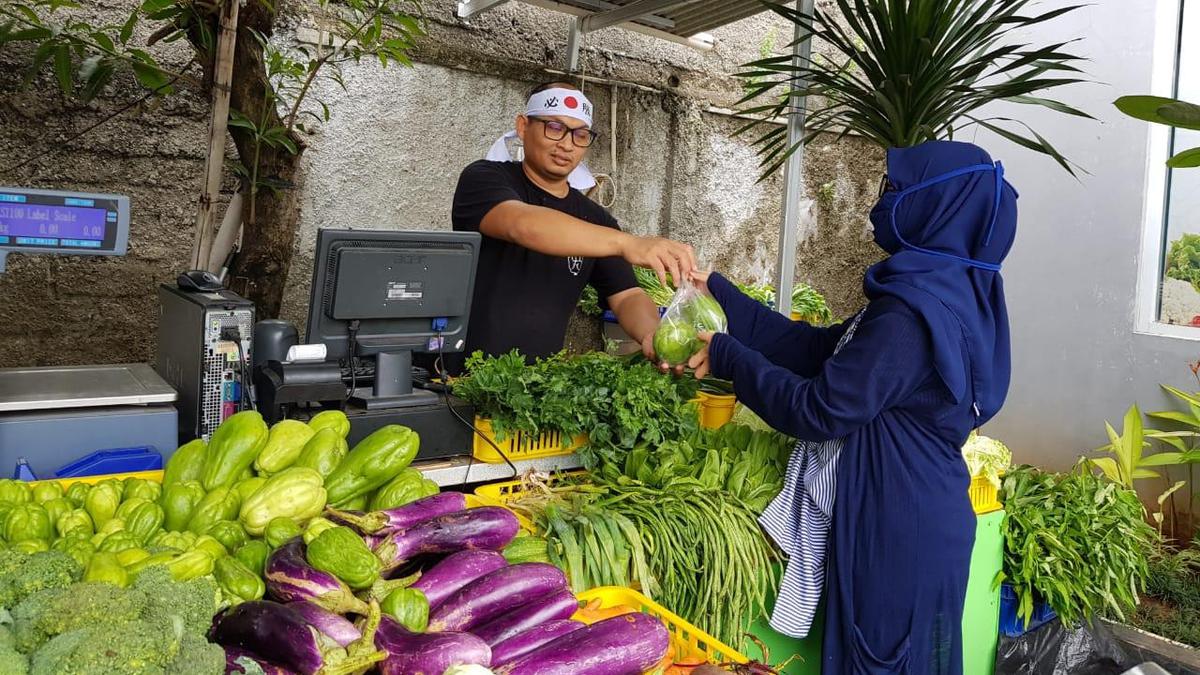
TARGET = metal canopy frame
(682,21)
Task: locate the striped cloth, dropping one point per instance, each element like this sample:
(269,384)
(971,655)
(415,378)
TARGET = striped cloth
(798,519)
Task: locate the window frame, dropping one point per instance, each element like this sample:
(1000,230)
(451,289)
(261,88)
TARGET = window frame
(1163,82)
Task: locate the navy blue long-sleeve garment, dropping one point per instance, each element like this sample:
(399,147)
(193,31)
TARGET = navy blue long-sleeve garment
(902,531)
(902,394)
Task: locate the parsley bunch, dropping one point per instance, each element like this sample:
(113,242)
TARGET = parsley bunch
(617,402)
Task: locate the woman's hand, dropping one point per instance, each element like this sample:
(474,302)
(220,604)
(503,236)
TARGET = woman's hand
(699,360)
(700,279)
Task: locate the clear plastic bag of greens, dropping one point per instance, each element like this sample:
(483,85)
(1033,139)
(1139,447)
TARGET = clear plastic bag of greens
(690,313)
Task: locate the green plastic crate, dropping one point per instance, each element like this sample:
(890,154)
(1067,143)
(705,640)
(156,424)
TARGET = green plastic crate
(981,614)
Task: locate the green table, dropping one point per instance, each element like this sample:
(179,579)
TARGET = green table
(981,614)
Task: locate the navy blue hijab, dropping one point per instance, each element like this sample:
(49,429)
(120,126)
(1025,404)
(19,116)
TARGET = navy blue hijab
(948,220)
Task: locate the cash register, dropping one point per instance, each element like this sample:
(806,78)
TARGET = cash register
(377,297)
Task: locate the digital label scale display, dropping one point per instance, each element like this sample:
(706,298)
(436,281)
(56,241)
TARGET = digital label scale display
(64,223)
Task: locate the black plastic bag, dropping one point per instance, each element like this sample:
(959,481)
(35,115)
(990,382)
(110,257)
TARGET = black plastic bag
(1055,649)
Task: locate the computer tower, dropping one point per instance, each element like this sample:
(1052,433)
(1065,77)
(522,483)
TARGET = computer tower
(204,343)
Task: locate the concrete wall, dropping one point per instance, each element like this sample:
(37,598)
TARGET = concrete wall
(1071,278)
(390,157)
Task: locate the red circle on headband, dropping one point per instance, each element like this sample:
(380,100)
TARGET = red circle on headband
(571,102)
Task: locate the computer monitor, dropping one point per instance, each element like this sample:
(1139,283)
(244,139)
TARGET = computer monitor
(386,294)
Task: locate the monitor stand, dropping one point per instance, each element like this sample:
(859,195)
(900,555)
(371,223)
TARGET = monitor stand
(393,384)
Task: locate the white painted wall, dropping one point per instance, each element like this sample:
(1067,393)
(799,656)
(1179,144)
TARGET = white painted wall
(1072,277)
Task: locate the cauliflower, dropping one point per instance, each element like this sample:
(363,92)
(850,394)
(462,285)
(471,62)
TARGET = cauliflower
(986,457)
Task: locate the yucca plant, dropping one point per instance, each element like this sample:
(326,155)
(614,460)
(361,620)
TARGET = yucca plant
(907,71)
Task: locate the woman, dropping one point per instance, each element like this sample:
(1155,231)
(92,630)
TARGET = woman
(882,405)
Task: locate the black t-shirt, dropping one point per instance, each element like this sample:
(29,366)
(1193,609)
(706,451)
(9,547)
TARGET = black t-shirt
(523,299)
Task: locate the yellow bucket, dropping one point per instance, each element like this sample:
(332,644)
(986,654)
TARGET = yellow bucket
(715,409)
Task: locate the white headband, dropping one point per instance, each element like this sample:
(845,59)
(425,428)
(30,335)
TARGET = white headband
(557,102)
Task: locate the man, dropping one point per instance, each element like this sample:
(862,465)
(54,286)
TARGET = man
(543,240)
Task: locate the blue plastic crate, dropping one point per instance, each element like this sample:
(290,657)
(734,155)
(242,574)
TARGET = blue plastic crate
(1010,624)
(114,460)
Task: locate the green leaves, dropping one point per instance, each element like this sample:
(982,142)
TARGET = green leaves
(1076,541)
(84,57)
(908,71)
(1128,461)
(620,406)
(1168,111)
(1160,110)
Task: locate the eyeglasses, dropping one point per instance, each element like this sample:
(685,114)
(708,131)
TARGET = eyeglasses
(556,131)
(885,186)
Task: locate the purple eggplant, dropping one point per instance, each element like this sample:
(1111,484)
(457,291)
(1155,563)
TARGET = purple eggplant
(238,660)
(289,578)
(265,627)
(551,607)
(335,627)
(490,596)
(455,571)
(401,517)
(526,641)
(629,644)
(487,528)
(427,653)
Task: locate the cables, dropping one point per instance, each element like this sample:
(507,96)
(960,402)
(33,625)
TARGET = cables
(245,394)
(439,367)
(352,333)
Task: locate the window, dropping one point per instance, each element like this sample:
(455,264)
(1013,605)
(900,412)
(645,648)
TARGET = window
(1169,280)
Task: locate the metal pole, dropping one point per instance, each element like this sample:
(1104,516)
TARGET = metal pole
(793,174)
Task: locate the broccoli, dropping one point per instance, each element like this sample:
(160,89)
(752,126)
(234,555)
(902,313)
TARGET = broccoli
(195,601)
(197,656)
(47,569)
(52,611)
(11,560)
(139,647)
(13,662)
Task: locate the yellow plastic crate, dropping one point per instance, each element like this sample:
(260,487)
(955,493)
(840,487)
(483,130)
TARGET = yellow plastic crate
(504,491)
(715,410)
(690,642)
(499,494)
(155,476)
(519,445)
(985,498)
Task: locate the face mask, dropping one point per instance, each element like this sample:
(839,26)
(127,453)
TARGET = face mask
(887,232)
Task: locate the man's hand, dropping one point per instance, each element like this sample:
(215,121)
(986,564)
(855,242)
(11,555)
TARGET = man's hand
(661,255)
(699,360)
(700,279)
